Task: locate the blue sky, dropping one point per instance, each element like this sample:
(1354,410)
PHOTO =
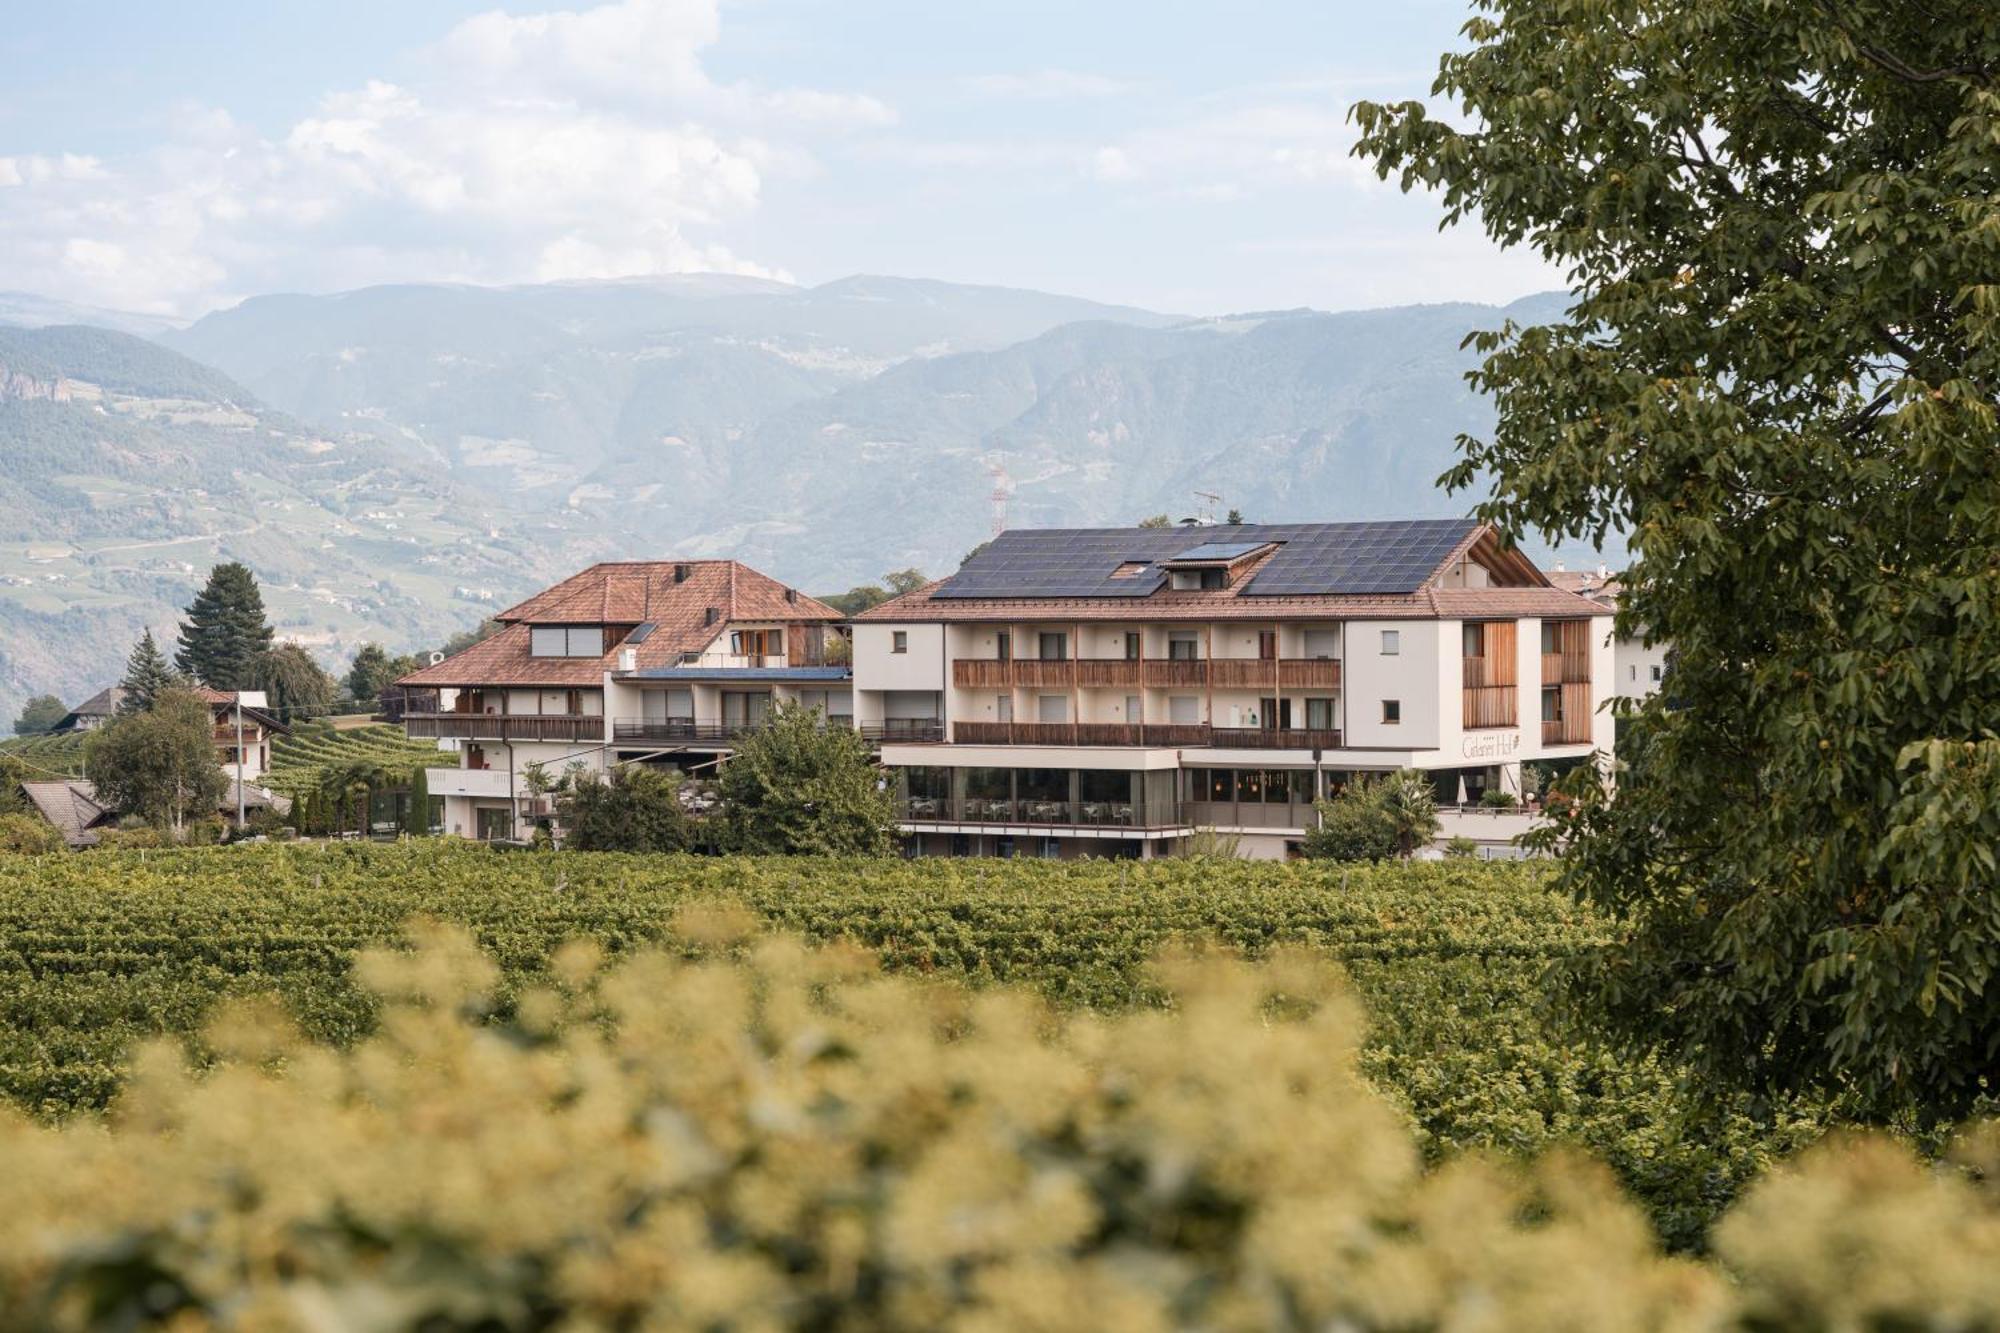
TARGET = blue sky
(1184,157)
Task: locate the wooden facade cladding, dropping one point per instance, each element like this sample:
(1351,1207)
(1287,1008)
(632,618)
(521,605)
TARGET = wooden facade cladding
(1491,676)
(1566,684)
(1566,652)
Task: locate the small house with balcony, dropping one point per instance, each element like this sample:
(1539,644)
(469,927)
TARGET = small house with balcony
(1118,691)
(653,662)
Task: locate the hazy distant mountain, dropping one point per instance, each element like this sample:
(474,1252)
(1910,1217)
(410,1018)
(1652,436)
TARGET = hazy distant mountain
(127,469)
(830,431)
(464,441)
(25,310)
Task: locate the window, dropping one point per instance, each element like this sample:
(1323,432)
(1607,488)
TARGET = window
(1184,710)
(1130,569)
(1634,669)
(1003,645)
(1551,638)
(1131,647)
(1322,643)
(1659,673)
(1003,707)
(1319,714)
(757,643)
(1182,646)
(1552,708)
(1053,647)
(899,641)
(566,641)
(1392,712)
(1052,708)
(1267,645)
(1392,642)
(1135,709)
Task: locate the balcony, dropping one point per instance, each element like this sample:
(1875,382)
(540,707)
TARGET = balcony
(910,730)
(670,729)
(1171,735)
(504,726)
(1274,738)
(1152,673)
(1566,731)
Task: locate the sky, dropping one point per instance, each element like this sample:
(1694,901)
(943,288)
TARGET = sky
(1188,158)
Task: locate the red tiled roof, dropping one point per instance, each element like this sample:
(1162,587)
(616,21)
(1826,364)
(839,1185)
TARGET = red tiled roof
(626,594)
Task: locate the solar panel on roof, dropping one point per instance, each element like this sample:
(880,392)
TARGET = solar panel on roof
(1220,550)
(1311,559)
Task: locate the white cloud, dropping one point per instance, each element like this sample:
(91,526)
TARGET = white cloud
(1048,85)
(569,144)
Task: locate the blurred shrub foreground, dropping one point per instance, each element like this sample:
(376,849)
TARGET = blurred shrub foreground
(777,1136)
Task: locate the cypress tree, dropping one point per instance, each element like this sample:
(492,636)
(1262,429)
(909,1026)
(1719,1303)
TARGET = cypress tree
(146,674)
(225,632)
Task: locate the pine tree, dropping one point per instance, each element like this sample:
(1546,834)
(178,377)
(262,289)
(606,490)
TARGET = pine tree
(146,674)
(225,632)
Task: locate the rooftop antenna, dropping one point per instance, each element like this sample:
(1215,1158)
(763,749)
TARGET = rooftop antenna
(1003,490)
(1207,511)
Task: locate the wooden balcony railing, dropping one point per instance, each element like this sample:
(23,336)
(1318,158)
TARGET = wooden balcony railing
(1487,672)
(504,726)
(1309,673)
(1566,731)
(1174,673)
(1178,735)
(1102,673)
(1255,673)
(1274,738)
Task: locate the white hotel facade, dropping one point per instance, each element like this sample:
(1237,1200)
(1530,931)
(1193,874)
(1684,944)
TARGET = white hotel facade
(1125,691)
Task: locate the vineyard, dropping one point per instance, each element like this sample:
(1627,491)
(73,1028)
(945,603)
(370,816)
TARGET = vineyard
(99,951)
(52,756)
(316,754)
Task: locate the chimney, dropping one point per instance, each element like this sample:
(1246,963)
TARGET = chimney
(628,659)
(792,595)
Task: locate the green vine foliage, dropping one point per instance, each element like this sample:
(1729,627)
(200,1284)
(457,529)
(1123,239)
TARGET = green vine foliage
(102,951)
(1778,380)
(744,1133)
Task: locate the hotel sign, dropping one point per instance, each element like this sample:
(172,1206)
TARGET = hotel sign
(1491,745)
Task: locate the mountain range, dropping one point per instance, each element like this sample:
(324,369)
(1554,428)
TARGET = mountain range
(395,462)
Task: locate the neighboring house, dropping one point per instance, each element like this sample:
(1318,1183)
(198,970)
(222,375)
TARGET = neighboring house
(259,725)
(93,712)
(252,731)
(660,662)
(1122,691)
(1640,665)
(73,808)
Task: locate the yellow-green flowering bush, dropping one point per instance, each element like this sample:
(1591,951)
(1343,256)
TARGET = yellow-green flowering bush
(775,1136)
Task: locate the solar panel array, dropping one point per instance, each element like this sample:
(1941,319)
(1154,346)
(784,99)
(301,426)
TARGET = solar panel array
(1219,551)
(1311,559)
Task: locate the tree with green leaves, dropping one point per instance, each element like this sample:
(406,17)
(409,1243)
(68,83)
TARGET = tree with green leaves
(1777,379)
(633,809)
(464,639)
(373,670)
(146,674)
(297,686)
(903,581)
(225,631)
(1375,819)
(159,765)
(797,785)
(1156,521)
(39,715)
